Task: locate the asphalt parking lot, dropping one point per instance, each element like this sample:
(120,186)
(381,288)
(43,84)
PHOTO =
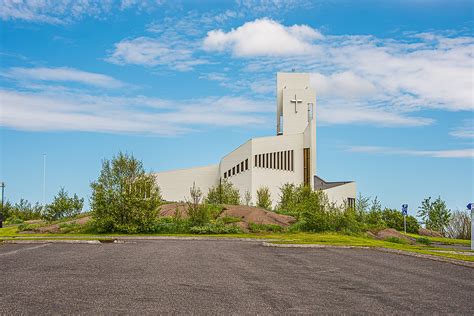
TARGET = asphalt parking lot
(224,277)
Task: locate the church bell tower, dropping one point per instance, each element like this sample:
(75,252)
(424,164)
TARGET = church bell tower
(296,105)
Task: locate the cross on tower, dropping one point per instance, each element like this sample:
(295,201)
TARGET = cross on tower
(296,101)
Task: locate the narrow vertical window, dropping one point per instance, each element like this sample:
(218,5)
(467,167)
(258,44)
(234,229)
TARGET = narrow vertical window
(225,174)
(292,161)
(271,160)
(256,160)
(233,170)
(278,160)
(284,160)
(242,166)
(246,164)
(306,166)
(238,168)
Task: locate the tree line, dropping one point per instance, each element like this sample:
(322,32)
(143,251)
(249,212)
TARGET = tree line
(125,198)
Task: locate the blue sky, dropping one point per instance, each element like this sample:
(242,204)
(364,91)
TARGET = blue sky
(182,83)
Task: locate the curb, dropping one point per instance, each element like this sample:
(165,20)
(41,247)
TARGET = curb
(387,250)
(319,246)
(49,241)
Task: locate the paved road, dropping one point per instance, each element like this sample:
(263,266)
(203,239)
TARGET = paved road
(224,277)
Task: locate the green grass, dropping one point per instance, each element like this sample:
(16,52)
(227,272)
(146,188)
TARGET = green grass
(443,240)
(360,240)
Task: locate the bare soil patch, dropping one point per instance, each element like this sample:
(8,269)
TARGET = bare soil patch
(246,214)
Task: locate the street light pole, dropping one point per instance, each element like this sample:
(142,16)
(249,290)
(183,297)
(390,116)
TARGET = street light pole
(3,198)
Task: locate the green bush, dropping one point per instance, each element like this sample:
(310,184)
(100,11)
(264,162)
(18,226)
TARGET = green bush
(223,193)
(394,219)
(70,228)
(215,228)
(124,197)
(28,227)
(198,213)
(263,198)
(264,228)
(23,210)
(229,220)
(171,225)
(423,240)
(314,212)
(396,240)
(63,206)
(14,221)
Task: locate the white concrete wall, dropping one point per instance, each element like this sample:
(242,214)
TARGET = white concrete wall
(340,193)
(274,178)
(175,184)
(243,180)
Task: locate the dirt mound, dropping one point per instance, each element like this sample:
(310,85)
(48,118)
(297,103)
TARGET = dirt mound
(170,209)
(390,232)
(256,215)
(247,214)
(55,228)
(428,232)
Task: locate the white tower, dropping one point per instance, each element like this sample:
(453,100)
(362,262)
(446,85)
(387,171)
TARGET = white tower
(296,105)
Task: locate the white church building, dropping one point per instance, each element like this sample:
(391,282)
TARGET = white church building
(287,157)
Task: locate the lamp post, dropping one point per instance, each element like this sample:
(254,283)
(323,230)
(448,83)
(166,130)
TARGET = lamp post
(3,198)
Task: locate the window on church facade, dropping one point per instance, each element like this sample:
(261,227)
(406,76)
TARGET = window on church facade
(282,160)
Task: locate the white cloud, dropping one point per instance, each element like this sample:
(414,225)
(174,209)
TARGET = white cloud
(147,51)
(363,78)
(264,37)
(66,11)
(63,74)
(361,114)
(466,130)
(63,110)
(456,153)
(342,84)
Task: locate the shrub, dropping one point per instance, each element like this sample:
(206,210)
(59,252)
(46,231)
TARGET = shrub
(223,193)
(263,198)
(423,240)
(171,225)
(459,225)
(229,219)
(396,240)
(23,210)
(124,197)
(198,214)
(314,212)
(215,228)
(435,214)
(63,206)
(70,228)
(263,228)
(394,219)
(30,227)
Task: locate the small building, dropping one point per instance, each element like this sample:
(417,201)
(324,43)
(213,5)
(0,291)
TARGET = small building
(287,157)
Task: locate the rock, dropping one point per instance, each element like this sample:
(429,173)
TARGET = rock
(390,232)
(428,232)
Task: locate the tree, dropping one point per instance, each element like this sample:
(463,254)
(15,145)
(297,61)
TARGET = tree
(223,193)
(287,196)
(394,219)
(263,198)
(459,225)
(124,197)
(435,214)
(198,213)
(63,206)
(248,198)
(362,207)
